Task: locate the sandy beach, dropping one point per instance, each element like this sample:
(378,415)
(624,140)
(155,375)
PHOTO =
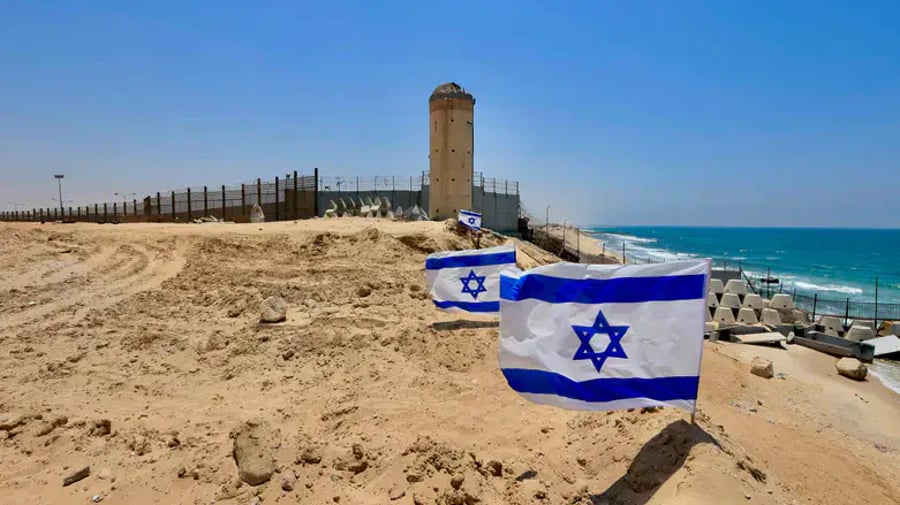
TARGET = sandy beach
(136,349)
(589,247)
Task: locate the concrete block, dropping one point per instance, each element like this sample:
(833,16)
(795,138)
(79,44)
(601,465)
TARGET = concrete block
(771,317)
(747,316)
(730,300)
(753,301)
(781,301)
(831,323)
(736,286)
(800,316)
(712,301)
(859,333)
(716,286)
(724,315)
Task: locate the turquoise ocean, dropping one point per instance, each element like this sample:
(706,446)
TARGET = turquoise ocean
(835,264)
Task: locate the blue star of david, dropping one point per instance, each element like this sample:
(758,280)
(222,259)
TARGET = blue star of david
(471,220)
(479,288)
(600,327)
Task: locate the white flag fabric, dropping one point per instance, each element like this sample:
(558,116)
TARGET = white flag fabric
(468,280)
(470,219)
(604,337)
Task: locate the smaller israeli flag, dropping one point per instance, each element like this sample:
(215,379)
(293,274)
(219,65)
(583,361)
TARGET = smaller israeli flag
(470,219)
(604,337)
(468,280)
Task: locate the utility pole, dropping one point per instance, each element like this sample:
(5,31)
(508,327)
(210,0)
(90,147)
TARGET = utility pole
(125,202)
(59,178)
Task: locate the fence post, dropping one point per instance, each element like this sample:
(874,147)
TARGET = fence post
(243,199)
(875,319)
(205,202)
(259,192)
(158,205)
(96,212)
(815,302)
(295,194)
(847,313)
(624,258)
(277,217)
(316,192)
(223,202)
(173,205)
(134,211)
(105,213)
(189,203)
(115,211)
(79,213)
(357,188)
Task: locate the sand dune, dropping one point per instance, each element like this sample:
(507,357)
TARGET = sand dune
(368,394)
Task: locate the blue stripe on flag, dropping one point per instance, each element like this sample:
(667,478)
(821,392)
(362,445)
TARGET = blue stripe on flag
(603,389)
(470,213)
(469,306)
(475,260)
(615,290)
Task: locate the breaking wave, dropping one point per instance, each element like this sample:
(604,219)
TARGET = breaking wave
(847,290)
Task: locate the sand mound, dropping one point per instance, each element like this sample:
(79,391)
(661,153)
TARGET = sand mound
(143,353)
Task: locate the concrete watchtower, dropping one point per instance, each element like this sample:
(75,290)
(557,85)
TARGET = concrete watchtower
(451,116)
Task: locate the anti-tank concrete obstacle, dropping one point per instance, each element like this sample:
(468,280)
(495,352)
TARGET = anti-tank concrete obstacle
(747,315)
(781,301)
(736,286)
(716,286)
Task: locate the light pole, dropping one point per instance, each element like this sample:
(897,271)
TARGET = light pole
(59,178)
(125,202)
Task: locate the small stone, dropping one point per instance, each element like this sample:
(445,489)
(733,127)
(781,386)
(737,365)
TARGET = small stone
(288,482)
(195,475)
(363,291)
(762,368)
(235,311)
(457,481)
(173,442)
(76,476)
(10,421)
(309,455)
(256,500)
(252,451)
(273,310)
(101,428)
(540,494)
(852,368)
(747,496)
(495,468)
(182,472)
(44,428)
(96,498)
(412,478)
(581,461)
(396,493)
(287,355)
(105,474)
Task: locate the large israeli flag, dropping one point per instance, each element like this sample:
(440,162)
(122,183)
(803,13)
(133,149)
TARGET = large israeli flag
(468,280)
(604,337)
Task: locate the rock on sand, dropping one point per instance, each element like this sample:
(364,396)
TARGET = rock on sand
(762,368)
(253,446)
(851,367)
(273,310)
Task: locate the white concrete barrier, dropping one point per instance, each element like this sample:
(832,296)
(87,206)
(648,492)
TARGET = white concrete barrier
(736,286)
(730,300)
(747,316)
(753,301)
(724,315)
(781,301)
(712,301)
(831,323)
(859,333)
(716,286)
(771,317)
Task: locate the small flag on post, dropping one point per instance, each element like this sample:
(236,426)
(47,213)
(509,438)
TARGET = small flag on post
(469,219)
(468,280)
(604,337)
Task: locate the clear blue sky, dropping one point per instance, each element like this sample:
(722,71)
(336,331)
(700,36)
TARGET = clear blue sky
(717,113)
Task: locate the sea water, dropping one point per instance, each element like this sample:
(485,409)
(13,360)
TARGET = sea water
(833,263)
